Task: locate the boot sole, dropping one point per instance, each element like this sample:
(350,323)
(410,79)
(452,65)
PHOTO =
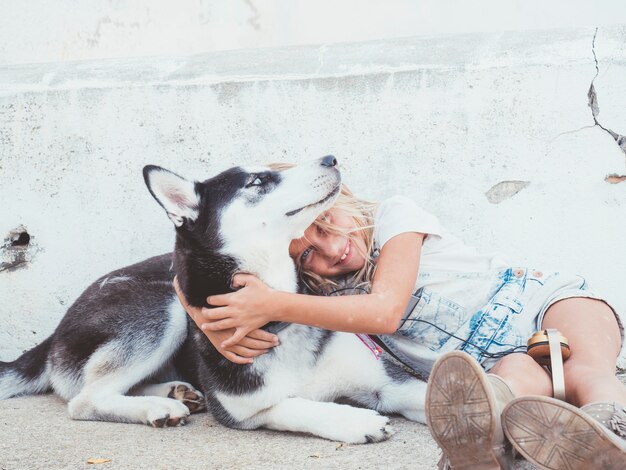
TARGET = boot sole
(460,412)
(555,435)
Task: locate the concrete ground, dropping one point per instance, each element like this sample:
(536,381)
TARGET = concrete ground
(36,433)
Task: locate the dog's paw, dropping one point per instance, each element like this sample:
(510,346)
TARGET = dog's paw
(168,414)
(188,396)
(168,422)
(383,433)
(360,426)
(376,428)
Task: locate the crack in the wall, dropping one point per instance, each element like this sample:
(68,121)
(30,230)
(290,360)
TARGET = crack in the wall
(592,96)
(254,20)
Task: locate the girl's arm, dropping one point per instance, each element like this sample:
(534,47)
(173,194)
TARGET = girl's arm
(379,312)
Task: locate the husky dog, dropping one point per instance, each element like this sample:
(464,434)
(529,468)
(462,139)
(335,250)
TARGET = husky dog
(124,346)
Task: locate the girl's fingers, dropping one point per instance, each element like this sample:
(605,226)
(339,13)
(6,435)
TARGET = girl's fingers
(263,335)
(214,314)
(256,344)
(235,338)
(241,280)
(218,300)
(218,325)
(232,357)
(246,352)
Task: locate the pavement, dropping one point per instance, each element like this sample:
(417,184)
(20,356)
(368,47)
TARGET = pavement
(36,433)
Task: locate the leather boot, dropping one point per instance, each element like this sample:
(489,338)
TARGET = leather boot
(463,407)
(555,435)
(611,415)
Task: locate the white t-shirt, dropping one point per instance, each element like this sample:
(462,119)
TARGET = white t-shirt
(441,251)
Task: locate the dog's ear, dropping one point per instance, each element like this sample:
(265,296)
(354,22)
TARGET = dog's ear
(174,193)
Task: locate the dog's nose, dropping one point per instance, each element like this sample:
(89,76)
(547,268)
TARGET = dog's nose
(329,160)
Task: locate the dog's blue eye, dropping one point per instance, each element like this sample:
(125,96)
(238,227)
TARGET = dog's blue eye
(255,182)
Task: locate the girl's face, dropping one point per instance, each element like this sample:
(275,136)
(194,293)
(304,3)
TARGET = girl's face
(330,254)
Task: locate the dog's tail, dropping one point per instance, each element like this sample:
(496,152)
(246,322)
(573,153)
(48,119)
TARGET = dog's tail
(28,374)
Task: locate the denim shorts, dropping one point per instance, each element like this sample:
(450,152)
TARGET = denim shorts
(487,315)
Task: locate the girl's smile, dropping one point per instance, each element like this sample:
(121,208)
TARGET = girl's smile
(330,254)
(347,254)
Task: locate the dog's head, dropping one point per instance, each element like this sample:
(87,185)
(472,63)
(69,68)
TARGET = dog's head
(242,220)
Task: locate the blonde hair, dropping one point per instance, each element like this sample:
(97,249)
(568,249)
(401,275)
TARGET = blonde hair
(362,212)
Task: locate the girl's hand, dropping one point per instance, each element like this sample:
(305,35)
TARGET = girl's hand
(240,352)
(246,310)
(256,343)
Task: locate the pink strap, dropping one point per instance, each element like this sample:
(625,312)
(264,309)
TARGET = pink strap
(370,344)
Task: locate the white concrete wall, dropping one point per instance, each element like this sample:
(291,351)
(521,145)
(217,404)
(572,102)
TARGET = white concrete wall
(441,119)
(63,30)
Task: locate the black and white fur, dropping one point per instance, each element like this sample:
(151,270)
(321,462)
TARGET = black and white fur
(124,346)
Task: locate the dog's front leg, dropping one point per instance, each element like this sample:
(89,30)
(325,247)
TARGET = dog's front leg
(328,420)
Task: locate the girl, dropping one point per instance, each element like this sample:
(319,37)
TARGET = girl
(467,313)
